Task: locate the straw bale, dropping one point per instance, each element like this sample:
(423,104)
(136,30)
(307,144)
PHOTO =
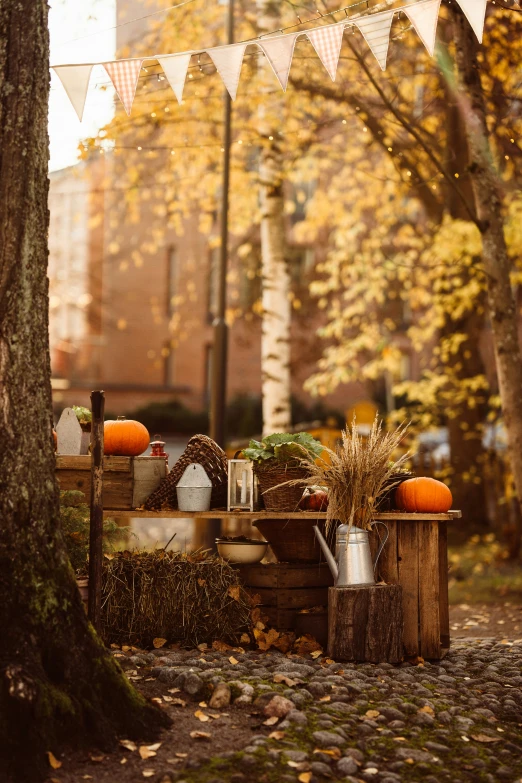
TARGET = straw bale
(182,598)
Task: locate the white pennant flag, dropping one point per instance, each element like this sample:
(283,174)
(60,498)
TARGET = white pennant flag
(228,60)
(124,75)
(75,79)
(327,43)
(376,30)
(279,52)
(175,67)
(475,11)
(424,18)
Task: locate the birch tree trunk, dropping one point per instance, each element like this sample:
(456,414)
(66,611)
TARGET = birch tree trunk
(497,265)
(275,335)
(275,277)
(58,684)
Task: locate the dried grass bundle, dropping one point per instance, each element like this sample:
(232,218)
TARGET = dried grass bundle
(359,473)
(188,599)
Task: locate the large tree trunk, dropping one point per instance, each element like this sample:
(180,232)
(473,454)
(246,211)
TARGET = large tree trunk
(275,337)
(58,683)
(497,266)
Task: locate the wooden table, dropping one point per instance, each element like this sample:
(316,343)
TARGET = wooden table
(415,557)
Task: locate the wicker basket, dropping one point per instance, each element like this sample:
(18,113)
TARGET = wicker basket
(206,452)
(293,540)
(284,498)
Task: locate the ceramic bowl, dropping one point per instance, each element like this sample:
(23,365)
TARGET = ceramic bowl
(241,551)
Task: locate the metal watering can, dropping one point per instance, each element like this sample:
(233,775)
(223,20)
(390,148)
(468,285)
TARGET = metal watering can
(352,564)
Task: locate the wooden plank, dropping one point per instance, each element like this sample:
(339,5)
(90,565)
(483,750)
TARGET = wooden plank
(280,619)
(286,575)
(303,515)
(429,594)
(117,488)
(96,515)
(408,559)
(443,586)
(83,463)
(297,598)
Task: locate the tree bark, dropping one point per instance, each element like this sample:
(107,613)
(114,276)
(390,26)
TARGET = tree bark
(488,203)
(58,684)
(275,335)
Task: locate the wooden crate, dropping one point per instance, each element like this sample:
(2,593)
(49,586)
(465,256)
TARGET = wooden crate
(286,588)
(127,481)
(416,557)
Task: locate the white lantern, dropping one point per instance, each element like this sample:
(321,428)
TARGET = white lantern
(243,492)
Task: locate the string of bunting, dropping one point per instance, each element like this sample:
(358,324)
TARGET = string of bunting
(278,49)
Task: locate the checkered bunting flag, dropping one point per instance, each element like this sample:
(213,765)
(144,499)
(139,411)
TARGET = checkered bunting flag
(376,30)
(327,43)
(124,75)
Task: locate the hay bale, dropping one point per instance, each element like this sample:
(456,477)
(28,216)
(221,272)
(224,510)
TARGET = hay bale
(188,599)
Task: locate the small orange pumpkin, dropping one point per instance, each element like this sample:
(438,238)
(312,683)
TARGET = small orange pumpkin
(424,496)
(125,438)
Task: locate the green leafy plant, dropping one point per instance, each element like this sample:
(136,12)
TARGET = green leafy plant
(74,518)
(84,415)
(284,447)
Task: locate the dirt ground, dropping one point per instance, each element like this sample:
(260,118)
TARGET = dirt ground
(483,620)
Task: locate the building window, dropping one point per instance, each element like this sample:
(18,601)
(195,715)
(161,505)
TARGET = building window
(172,274)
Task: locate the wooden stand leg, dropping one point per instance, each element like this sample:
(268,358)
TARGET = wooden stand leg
(365,623)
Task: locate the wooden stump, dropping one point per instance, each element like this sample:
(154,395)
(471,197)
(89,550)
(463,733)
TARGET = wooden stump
(365,623)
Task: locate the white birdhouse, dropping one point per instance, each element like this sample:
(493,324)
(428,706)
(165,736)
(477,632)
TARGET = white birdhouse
(194,489)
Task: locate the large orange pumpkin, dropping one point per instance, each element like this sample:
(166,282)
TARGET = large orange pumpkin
(125,437)
(424,496)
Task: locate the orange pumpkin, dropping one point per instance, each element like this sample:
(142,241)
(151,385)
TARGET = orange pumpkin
(424,496)
(125,437)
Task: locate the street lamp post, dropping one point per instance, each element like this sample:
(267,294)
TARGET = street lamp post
(220,328)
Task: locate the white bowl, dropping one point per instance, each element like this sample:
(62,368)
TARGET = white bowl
(241,552)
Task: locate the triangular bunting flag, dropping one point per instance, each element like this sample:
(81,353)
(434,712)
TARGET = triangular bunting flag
(424,18)
(279,52)
(475,11)
(228,60)
(376,30)
(327,43)
(175,68)
(124,75)
(75,79)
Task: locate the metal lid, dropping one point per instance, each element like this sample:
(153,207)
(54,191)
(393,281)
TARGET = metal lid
(194,476)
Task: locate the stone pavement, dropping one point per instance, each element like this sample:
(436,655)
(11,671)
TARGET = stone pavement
(312,720)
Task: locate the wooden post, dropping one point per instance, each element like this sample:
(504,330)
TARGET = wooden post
(96,529)
(365,623)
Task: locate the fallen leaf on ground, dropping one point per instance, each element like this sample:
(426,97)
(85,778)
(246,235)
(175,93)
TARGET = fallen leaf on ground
(156,746)
(316,654)
(329,661)
(203,704)
(409,761)
(372,714)
(86,777)
(270,721)
(129,744)
(157,700)
(234,591)
(174,690)
(307,644)
(203,646)
(293,764)
(158,642)
(168,699)
(305,777)
(245,638)
(215,715)
(96,758)
(400,739)
(221,646)
(148,773)
(287,680)
(277,735)
(200,735)
(145,752)
(427,709)
(123,760)
(179,703)
(202,582)
(53,761)
(333,752)
(233,660)
(265,640)
(485,738)
(325,698)
(181,755)
(201,716)
(125,648)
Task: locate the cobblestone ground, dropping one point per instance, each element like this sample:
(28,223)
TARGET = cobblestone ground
(270,717)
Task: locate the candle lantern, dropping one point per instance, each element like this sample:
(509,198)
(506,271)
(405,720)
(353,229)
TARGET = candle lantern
(243,492)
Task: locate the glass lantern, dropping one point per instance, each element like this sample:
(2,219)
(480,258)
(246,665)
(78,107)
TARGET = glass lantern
(243,492)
